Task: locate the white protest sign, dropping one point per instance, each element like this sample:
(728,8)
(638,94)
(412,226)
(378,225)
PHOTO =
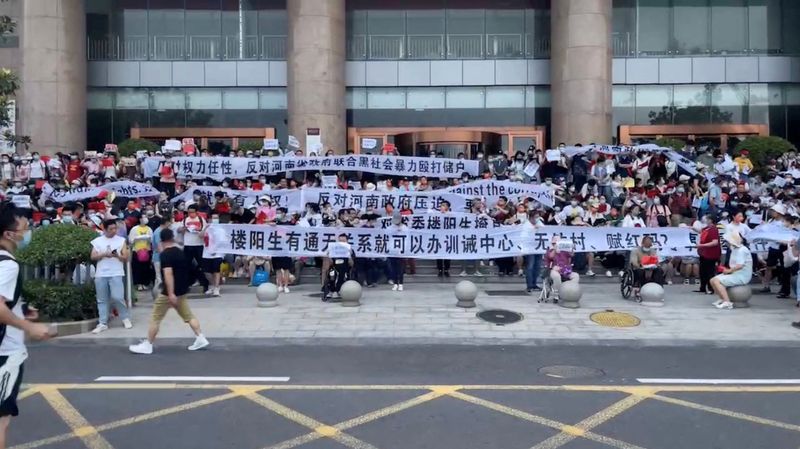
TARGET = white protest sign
(22,201)
(126,189)
(460,244)
(443,221)
(293,142)
(339,250)
(271,144)
(172,145)
(363,200)
(369,143)
(329,181)
(531,169)
(290,199)
(219,168)
(493,189)
(552,155)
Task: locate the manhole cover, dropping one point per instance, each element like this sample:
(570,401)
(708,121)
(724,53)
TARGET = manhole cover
(506,293)
(570,371)
(500,317)
(609,318)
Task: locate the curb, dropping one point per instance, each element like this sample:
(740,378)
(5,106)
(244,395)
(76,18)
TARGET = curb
(72,327)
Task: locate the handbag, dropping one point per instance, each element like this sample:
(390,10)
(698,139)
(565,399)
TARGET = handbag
(261,276)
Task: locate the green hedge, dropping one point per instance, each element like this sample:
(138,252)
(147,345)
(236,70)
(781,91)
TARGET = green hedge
(764,148)
(670,142)
(250,145)
(60,301)
(129,147)
(58,244)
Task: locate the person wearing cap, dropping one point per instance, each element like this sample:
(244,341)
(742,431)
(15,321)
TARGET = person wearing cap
(740,271)
(777,214)
(743,164)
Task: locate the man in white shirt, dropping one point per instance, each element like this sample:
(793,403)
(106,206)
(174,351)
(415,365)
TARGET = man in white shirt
(110,251)
(38,168)
(14,324)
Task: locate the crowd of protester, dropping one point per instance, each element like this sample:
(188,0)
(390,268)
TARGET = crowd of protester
(640,189)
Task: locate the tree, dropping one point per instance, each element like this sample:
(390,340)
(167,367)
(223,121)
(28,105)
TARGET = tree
(764,148)
(9,83)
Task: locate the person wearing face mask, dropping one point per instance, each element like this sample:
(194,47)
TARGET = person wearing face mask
(110,253)
(709,251)
(140,238)
(15,315)
(7,169)
(645,264)
(212,264)
(681,206)
(24,171)
(193,229)
(658,215)
(67,214)
(516,171)
(483,164)
(573,210)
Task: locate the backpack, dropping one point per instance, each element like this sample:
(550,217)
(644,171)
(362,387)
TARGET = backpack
(17,293)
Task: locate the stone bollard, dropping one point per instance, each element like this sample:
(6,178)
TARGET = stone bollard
(740,296)
(569,295)
(652,295)
(351,294)
(267,294)
(466,292)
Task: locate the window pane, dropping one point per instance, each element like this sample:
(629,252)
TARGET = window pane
(729,103)
(623,96)
(653,32)
(425,30)
(240,99)
(759,95)
(728,25)
(537,97)
(386,98)
(465,29)
(505,33)
(356,98)
(203,28)
(204,99)
(791,34)
(167,99)
(653,105)
(356,35)
(690,20)
(425,98)
(624,27)
(131,99)
(505,97)
(100,99)
(465,97)
(273,98)
(387,29)
(793,95)
(239,43)
(165,23)
(764,26)
(691,104)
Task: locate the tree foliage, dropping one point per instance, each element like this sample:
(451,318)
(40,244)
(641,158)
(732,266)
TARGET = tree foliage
(671,142)
(129,147)
(764,148)
(59,245)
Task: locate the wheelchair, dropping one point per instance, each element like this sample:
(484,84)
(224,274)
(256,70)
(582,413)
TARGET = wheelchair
(626,283)
(548,293)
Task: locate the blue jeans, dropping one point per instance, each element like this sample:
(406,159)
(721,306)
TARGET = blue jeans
(110,289)
(533,265)
(395,269)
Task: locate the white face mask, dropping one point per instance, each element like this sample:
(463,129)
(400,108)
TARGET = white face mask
(657,201)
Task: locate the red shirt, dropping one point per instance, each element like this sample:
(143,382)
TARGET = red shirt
(74,171)
(708,235)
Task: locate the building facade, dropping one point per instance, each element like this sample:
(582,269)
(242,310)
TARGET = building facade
(434,75)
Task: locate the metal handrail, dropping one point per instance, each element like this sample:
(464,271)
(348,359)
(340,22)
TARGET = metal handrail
(389,46)
(465,46)
(425,46)
(504,45)
(273,47)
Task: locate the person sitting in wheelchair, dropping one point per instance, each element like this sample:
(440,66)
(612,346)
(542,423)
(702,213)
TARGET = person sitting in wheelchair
(342,259)
(558,259)
(645,265)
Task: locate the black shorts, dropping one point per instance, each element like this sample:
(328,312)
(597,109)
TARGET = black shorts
(10,380)
(774,258)
(212,265)
(282,263)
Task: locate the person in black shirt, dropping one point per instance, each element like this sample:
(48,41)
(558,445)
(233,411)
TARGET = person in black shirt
(242,216)
(175,273)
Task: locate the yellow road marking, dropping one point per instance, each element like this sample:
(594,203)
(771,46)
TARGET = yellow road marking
(553,424)
(321,429)
(632,389)
(728,413)
(579,430)
(27,393)
(76,422)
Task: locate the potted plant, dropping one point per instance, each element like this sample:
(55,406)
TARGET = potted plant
(69,306)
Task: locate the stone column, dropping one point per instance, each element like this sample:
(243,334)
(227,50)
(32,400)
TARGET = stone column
(316,61)
(53,95)
(580,69)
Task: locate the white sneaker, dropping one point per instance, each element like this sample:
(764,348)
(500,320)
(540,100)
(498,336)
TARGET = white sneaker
(199,343)
(590,273)
(280,289)
(521,273)
(608,273)
(395,287)
(127,323)
(286,289)
(621,273)
(717,302)
(478,274)
(144,347)
(391,282)
(725,305)
(210,291)
(400,288)
(216,292)
(463,274)
(483,264)
(100,328)
(669,282)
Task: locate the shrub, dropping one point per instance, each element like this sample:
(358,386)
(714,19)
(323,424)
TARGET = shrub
(129,147)
(250,145)
(671,142)
(58,244)
(764,148)
(58,301)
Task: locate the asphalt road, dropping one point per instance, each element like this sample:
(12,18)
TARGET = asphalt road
(408,397)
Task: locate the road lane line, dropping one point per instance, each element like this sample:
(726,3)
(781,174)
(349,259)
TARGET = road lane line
(719,381)
(547,422)
(579,429)
(189,379)
(728,413)
(77,423)
(321,429)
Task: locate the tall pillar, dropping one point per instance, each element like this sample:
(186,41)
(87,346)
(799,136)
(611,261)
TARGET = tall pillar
(316,61)
(580,71)
(53,95)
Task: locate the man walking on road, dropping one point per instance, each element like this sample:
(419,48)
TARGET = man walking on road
(14,324)
(175,274)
